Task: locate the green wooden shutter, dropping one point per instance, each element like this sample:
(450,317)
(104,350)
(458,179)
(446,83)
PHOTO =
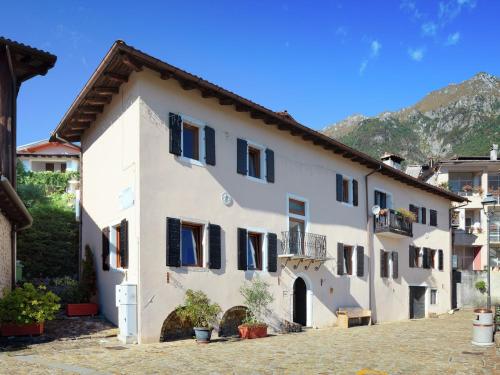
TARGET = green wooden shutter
(340,258)
(214,246)
(209,145)
(173,242)
(124,243)
(354,192)
(395,265)
(440,260)
(242,249)
(105,249)
(411,256)
(424,215)
(360,261)
(339,180)
(383,265)
(272,252)
(175,130)
(241,156)
(270,165)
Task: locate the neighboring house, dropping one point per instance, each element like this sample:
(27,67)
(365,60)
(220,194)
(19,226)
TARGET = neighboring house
(18,63)
(472,177)
(187,185)
(49,156)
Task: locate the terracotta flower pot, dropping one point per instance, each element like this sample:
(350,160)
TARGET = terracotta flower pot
(31,329)
(252,331)
(81,309)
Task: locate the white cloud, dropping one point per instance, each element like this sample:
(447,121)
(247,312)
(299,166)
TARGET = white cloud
(363,66)
(450,9)
(411,7)
(375,47)
(453,39)
(416,54)
(429,29)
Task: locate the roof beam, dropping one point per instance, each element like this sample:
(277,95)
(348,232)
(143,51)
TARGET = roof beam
(102,90)
(99,100)
(225,101)
(257,115)
(165,75)
(186,85)
(81,126)
(131,63)
(84,118)
(116,77)
(90,109)
(241,108)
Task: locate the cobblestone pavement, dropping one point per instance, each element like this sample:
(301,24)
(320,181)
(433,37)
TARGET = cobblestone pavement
(431,346)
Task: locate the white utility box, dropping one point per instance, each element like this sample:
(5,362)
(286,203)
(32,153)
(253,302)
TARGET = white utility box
(126,301)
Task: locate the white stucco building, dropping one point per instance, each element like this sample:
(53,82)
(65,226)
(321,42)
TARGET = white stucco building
(186,185)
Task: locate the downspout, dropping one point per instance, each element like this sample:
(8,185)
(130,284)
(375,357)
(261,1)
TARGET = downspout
(80,240)
(369,241)
(13,174)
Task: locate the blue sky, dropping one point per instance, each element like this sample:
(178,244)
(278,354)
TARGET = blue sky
(321,60)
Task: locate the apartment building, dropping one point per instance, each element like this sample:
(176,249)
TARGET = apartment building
(472,177)
(186,185)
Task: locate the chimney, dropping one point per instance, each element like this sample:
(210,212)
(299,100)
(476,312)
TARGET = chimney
(392,160)
(494,152)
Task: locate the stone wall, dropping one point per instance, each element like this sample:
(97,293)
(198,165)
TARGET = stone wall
(5,254)
(469,296)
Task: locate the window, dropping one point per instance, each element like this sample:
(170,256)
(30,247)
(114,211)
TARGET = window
(63,167)
(191,245)
(254,251)
(348,260)
(254,156)
(118,252)
(190,141)
(345,190)
(433,218)
(433,296)
(49,167)
(415,257)
(383,200)
(494,183)
(296,225)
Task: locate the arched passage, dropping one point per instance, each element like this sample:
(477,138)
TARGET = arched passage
(174,328)
(301,302)
(231,319)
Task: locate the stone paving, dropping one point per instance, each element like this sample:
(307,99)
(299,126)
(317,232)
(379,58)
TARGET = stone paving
(431,346)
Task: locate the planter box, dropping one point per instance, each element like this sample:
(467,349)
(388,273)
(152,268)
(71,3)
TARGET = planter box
(82,309)
(12,329)
(252,332)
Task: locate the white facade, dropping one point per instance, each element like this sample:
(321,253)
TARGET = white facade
(49,156)
(128,173)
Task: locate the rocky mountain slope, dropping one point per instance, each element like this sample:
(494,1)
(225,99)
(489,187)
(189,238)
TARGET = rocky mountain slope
(459,119)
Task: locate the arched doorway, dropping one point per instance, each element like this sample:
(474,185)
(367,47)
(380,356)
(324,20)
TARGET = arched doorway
(300,301)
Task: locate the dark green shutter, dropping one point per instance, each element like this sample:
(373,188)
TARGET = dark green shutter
(269,165)
(105,249)
(241,156)
(424,215)
(339,180)
(242,249)
(209,145)
(440,260)
(175,127)
(395,265)
(354,192)
(382,264)
(360,261)
(412,256)
(340,258)
(272,252)
(214,246)
(426,263)
(124,243)
(173,242)
(433,218)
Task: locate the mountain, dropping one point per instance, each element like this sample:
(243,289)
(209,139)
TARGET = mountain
(459,119)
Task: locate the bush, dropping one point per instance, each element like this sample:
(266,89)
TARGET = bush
(88,284)
(28,304)
(198,309)
(257,299)
(481,286)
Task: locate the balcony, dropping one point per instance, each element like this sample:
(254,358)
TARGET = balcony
(393,224)
(495,235)
(468,237)
(303,247)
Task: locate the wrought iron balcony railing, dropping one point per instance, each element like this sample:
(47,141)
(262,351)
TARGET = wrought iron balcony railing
(393,222)
(303,245)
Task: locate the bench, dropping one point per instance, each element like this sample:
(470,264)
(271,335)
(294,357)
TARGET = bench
(347,314)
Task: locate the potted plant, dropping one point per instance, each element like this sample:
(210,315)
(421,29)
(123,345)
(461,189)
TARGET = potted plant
(407,214)
(201,313)
(481,286)
(467,188)
(383,212)
(24,310)
(80,300)
(257,299)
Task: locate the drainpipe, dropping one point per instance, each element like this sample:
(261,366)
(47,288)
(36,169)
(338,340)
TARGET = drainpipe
(369,240)
(80,241)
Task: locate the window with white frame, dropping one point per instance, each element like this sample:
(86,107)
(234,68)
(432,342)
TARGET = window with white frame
(191,244)
(190,141)
(433,296)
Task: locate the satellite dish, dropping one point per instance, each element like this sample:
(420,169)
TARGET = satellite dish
(376,210)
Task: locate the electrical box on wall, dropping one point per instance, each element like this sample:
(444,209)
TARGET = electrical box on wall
(126,301)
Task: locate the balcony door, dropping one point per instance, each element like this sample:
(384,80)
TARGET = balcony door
(297,221)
